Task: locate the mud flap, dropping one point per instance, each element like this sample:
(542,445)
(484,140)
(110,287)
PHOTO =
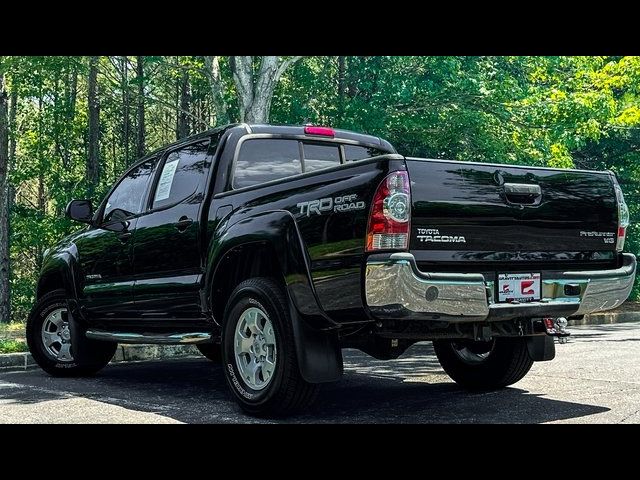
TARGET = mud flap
(541,348)
(77,330)
(319,353)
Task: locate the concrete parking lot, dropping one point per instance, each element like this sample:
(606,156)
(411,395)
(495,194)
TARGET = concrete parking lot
(594,379)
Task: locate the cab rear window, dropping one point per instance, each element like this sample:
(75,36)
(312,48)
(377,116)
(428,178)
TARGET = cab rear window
(353,153)
(264,160)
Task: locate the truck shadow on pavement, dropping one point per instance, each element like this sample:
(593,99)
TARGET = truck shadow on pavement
(411,389)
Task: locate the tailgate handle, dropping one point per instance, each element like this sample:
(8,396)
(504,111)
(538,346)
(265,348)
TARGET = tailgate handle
(523,193)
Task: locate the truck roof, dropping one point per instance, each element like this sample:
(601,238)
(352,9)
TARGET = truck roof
(283,130)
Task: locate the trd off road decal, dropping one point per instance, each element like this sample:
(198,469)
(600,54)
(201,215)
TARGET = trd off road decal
(343,203)
(433,235)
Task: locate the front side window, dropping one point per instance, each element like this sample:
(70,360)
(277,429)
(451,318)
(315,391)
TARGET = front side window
(183,174)
(264,160)
(126,200)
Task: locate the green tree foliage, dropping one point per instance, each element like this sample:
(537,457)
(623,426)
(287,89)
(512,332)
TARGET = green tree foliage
(565,112)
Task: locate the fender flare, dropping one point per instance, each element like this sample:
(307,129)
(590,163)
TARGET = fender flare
(60,264)
(316,338)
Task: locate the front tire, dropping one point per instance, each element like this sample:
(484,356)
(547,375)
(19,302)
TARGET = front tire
(258,351)
(489,365)
(49,337)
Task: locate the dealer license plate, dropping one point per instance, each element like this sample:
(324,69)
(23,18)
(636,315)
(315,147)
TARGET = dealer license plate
(521,287)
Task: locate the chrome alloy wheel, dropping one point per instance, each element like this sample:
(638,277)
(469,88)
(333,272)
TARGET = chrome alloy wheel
(255,348)
(56,336)
(473,353)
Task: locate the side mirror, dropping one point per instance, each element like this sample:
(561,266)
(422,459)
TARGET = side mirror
(80,211)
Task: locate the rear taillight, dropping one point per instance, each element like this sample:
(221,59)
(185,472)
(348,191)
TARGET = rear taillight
(623,218)
(390,214)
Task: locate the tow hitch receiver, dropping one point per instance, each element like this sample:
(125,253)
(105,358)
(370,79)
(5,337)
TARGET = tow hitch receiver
(556,327)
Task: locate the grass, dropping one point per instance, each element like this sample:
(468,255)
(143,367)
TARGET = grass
(12,346)
(12,336)
(12,327)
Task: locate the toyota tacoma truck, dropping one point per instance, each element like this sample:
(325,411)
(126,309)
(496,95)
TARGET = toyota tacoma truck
(272,248)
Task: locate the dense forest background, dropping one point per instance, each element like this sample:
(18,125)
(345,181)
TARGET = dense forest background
(69,126)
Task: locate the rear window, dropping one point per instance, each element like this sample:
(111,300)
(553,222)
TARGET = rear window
(355,152)
(318,157)
(263,161)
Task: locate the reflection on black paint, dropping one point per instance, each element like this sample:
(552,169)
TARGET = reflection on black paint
(469,201)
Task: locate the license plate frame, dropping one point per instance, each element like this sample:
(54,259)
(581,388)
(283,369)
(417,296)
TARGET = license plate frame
(519,287)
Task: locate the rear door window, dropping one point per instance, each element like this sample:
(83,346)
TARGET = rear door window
(265,160)
(183,174)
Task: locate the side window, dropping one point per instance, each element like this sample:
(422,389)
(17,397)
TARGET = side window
(126,200)
(183,174)
(317,157)
(356,152)
(264,160)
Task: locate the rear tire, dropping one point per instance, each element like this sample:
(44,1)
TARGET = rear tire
(49,334)
(258,351)
(484,365)
(212,351)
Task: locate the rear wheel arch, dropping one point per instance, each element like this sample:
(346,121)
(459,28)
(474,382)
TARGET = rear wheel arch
(278,231)
(240,263)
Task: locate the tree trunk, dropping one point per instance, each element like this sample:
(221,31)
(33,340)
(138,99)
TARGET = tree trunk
(13,111)
(93,159)
(352,71)
(73,93)
(342,81)
(70,96)
(5,310)
(42,209)
(140,137)
(216,83)
(126,120)
(183,113)
(255,90)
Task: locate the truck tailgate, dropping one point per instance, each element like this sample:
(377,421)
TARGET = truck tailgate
(479,213)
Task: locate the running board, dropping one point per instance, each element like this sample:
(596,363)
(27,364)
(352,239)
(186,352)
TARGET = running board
(157,338)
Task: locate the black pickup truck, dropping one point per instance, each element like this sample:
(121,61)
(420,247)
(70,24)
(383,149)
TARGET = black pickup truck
(271,248)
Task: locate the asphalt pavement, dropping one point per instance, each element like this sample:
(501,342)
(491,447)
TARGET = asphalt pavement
(595,378)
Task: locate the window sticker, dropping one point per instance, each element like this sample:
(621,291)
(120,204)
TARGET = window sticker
(166,180)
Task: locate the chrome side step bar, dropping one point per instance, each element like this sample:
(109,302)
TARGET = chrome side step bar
(157,338)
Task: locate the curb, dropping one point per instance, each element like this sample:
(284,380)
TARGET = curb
(136,353)
(606,318)
(125,353)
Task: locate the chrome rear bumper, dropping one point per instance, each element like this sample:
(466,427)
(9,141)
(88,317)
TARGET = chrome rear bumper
(396,289)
